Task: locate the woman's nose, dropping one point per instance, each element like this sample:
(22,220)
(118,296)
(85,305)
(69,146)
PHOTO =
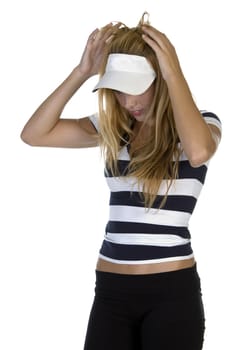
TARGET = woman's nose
(130,101)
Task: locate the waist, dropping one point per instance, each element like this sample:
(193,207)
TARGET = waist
(144,269)
(167,282)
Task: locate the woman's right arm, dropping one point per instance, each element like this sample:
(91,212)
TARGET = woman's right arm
(46,127)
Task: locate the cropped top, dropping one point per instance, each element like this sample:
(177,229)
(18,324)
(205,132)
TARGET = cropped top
(135,235)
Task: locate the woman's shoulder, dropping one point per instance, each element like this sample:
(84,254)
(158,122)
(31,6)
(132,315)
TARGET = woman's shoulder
(94,118)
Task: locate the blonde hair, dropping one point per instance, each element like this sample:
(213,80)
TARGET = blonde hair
(157,159)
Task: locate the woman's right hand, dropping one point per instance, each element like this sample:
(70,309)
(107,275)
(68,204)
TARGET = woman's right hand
(93,54)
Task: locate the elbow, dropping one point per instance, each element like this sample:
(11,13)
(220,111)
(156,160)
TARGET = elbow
(196,162)
(24,138)
(199,158)
(27,138)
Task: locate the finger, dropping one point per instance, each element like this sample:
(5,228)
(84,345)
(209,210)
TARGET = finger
(96,35)
(109,35)
(109,39)
(152,43)
(102,31)
(108,32)
(148,28)
(154,34)
(92,36)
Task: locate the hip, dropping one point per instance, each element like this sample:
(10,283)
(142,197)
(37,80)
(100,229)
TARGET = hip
(143,269)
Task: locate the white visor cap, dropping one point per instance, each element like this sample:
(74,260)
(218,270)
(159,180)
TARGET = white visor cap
(130,74)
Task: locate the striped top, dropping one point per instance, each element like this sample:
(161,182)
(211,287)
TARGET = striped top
(135,235)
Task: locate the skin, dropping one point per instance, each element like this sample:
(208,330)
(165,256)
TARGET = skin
(47,128)
(136,105)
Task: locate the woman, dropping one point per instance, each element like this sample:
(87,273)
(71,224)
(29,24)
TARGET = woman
(156,145)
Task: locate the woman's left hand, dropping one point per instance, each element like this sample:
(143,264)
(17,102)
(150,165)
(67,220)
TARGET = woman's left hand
(164,50)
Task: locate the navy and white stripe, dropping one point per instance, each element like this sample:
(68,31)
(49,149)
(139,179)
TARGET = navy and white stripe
(135,235)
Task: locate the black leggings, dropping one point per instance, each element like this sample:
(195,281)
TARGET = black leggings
(161,311)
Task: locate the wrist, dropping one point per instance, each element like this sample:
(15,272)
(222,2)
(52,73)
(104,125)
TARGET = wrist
(81,74)
(174,76)
(176,81)
(179,91)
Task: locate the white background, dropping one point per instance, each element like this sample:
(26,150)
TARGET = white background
(54,202)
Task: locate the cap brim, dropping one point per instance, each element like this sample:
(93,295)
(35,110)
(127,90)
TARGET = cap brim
(127,82)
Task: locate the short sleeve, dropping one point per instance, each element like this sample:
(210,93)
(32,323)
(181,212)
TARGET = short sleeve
(94,118)
(212,118)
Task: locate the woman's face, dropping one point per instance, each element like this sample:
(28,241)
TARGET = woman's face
(136,105)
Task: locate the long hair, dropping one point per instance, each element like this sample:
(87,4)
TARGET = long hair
(157,159)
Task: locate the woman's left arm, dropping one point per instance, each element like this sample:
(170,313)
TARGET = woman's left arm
(199,139)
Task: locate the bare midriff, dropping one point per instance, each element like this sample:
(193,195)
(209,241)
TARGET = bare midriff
(136,269)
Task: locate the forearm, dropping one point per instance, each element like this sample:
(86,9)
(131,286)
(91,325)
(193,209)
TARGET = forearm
(48,113)
(195,135)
